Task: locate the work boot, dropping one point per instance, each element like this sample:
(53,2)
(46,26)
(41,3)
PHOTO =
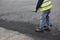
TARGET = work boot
(38,30)
(48,30)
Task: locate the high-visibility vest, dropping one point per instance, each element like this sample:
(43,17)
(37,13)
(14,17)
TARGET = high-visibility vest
(45,5)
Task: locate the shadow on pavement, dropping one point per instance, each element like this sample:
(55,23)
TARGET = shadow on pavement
(28,29)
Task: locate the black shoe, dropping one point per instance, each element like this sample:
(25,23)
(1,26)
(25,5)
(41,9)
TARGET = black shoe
(51,25)
(47,30)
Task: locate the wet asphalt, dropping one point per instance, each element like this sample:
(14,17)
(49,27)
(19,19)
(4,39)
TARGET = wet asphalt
(18,22)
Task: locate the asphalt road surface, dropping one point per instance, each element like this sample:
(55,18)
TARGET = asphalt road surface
(18,22)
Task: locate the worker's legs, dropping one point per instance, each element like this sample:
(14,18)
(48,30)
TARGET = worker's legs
(48,20)
(45,19)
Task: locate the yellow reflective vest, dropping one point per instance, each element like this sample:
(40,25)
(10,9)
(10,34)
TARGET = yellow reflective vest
(45,5)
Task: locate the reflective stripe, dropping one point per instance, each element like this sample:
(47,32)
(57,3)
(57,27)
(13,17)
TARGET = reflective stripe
(46,0)
(45,8)
(46,5)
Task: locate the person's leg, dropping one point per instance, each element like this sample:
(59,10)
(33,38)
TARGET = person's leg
(43,19)
(48,19)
